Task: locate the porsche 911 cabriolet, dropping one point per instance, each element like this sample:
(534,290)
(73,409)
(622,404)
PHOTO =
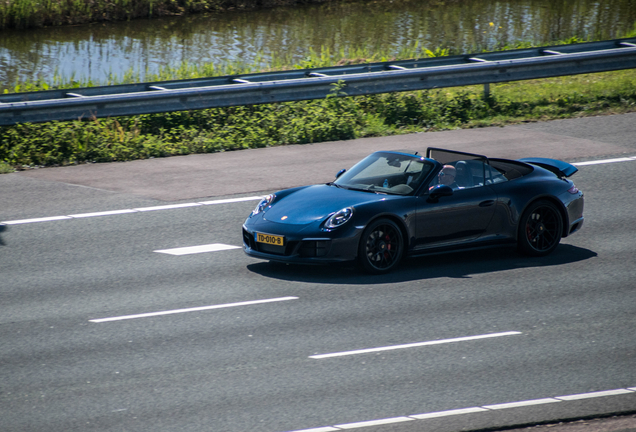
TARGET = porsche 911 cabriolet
(394,204)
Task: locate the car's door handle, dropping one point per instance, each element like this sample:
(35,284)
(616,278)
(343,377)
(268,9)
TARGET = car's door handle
(486,203)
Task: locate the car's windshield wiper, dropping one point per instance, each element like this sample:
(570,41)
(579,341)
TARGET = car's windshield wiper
(362,190)
(367,189)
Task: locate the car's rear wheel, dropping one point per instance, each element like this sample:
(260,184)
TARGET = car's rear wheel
(381,247)
(540,229)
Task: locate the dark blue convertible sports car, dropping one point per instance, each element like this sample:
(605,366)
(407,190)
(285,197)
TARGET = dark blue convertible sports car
(397,203)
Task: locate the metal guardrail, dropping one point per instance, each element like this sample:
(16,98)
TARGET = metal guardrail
(285,86)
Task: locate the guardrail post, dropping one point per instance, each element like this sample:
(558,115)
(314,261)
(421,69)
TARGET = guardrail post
(486,91)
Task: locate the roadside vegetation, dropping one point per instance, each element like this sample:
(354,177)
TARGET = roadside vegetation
(24,14)
(333,118)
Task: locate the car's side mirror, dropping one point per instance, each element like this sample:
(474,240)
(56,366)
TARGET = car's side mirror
(439,191)
(341,172)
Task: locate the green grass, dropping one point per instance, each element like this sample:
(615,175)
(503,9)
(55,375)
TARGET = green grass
(561,97)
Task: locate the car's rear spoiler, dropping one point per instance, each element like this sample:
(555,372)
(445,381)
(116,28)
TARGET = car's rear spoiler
(560,168)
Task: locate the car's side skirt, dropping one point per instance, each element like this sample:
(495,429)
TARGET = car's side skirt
(473,245)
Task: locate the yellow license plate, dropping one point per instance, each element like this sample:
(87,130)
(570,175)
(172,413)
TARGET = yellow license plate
(270,239)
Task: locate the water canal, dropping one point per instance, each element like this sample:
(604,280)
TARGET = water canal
(105,53)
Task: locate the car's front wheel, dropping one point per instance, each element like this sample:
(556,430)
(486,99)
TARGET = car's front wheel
(540,229)
(381,247)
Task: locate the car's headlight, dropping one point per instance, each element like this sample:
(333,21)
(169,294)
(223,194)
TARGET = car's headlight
(263,204)
(339,218)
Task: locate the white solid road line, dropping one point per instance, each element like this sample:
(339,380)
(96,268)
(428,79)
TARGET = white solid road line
(214,247)
(221,201)
(485,408)
(133,210)
(104,213)
(194,309)
(36,220)
(605,161)
(167,207)
(414,345)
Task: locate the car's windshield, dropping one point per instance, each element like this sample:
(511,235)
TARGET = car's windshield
(385,172)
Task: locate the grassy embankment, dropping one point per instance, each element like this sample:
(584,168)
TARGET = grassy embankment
(333,118)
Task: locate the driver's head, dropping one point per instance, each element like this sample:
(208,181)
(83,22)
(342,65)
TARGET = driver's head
(447,175)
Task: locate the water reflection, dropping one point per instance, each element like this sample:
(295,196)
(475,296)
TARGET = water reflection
(103,51)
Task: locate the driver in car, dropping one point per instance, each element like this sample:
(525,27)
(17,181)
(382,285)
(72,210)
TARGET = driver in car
(446,176)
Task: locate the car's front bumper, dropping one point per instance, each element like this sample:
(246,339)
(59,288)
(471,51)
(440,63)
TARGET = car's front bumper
(298,248)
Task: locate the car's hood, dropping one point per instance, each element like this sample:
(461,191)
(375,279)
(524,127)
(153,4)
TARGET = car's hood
(315,203)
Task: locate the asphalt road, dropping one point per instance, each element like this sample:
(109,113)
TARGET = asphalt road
(104,328)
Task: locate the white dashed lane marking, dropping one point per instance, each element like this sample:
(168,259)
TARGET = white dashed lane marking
(193,309)
(414,345)
(214,247)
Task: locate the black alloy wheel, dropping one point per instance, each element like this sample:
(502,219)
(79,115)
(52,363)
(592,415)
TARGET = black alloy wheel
(540,229)
(381,247)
